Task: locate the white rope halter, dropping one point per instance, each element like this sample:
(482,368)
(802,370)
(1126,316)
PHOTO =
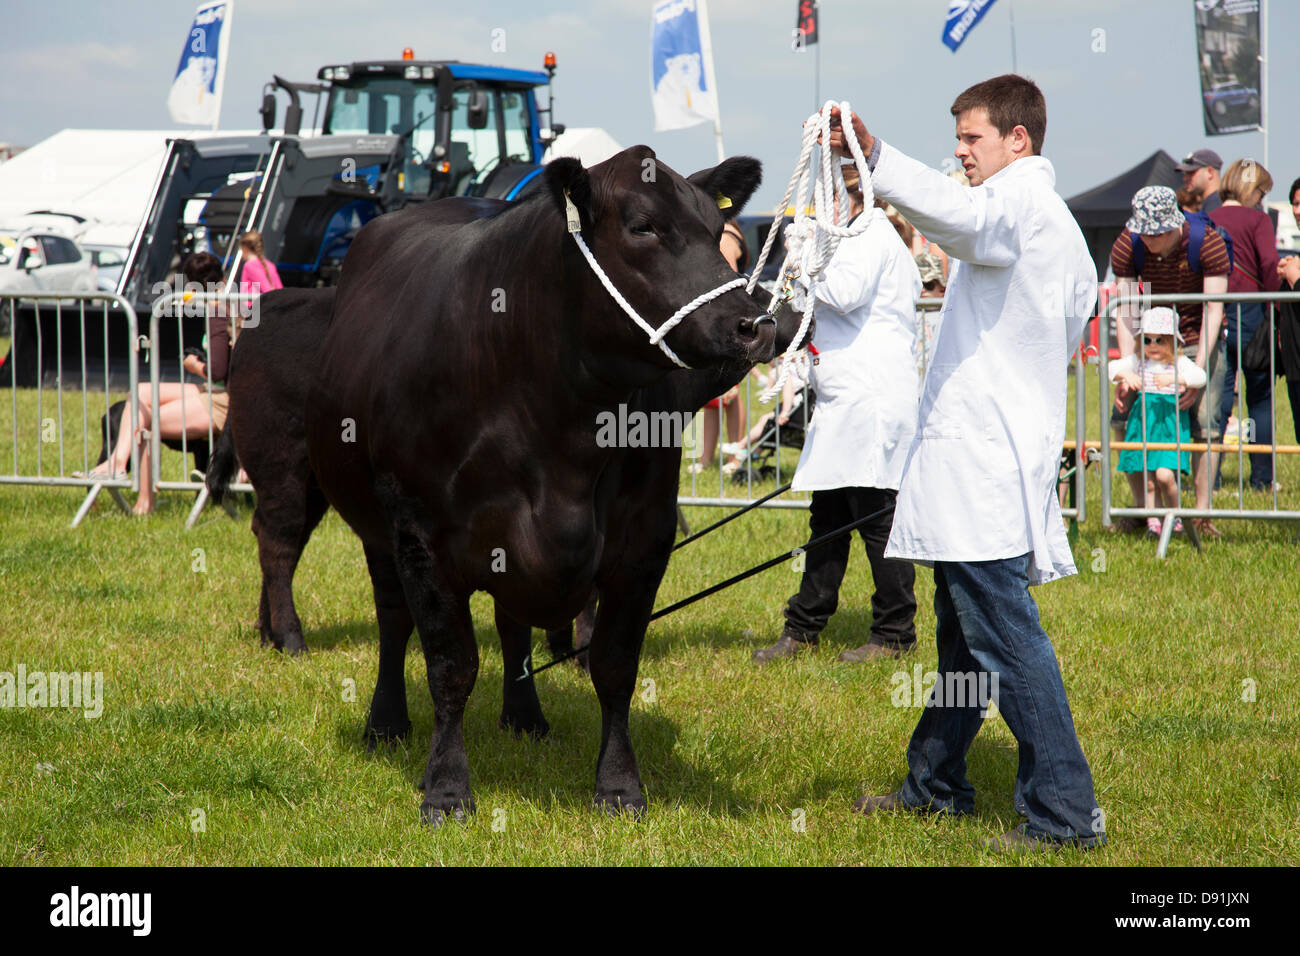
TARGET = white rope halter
(824,231)
(656,335)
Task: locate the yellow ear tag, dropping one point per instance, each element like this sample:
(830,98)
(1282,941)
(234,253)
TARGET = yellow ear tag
(571,214)
(724,202)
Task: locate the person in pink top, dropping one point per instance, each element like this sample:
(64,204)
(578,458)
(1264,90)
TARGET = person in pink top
(259,273)
(1243,187)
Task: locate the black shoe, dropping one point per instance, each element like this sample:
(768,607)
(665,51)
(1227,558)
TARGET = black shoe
(787,646)
(1020,840)
(891,802)
(872,651)
(883,803)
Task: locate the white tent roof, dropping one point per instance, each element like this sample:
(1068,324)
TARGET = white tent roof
(106,175)
(588,144)
(103,175)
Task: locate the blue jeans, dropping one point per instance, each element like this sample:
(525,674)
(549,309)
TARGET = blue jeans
(1258,386)
(988,623)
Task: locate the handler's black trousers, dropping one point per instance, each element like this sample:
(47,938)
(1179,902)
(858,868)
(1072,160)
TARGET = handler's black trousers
(893,605)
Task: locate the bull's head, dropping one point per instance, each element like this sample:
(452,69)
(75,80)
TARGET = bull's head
(656,236)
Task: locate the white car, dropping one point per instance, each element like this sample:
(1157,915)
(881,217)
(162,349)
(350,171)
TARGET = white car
(43,260)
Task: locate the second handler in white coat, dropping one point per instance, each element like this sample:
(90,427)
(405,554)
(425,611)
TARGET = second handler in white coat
(866,385)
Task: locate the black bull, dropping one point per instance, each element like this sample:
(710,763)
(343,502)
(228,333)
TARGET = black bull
(459,441)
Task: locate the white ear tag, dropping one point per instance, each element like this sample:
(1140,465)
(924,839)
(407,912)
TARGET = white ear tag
(571,214)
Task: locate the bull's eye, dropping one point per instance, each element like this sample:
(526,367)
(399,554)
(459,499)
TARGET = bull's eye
(642,227)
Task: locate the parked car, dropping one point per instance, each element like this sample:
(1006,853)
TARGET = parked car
(43,260)
(1221,98)
(108,263)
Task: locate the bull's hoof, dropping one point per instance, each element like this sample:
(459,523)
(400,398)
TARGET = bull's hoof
(621,805)
(295,646)
(385,733)
(534,725)
(435,816)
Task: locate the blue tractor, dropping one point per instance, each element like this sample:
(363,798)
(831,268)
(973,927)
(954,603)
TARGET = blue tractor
(394,132)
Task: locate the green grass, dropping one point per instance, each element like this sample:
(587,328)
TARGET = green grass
(198,717)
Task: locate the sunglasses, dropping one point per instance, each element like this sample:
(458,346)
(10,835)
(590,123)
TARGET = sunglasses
(1153,339)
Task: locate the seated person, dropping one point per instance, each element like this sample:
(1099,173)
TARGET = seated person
(183,408)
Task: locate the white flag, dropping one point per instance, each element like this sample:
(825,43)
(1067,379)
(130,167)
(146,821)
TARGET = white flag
(195,95)
(682,86)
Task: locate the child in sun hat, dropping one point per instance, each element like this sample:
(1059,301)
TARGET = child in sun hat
(1159,375)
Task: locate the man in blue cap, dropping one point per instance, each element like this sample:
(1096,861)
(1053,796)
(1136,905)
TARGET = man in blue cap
(1200,171)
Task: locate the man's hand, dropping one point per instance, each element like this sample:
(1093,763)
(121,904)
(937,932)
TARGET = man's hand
(1188,398)
(839,144)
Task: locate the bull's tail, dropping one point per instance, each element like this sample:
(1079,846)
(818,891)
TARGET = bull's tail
(223,465)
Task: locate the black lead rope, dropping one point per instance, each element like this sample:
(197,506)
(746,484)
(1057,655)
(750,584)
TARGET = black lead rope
(733,516)
(714,589)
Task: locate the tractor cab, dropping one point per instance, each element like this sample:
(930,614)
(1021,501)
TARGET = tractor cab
(467,129)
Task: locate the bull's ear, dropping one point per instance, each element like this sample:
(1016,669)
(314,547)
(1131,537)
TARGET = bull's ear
(567,175)
(731,183)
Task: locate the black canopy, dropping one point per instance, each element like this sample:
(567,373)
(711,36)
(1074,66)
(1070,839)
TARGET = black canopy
(1102,211)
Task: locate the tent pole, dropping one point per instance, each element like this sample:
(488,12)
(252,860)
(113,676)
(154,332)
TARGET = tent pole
(1263,76)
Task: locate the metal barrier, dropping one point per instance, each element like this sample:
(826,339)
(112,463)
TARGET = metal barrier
(179,305)
(1169,515)
(1077,475)
(31,468)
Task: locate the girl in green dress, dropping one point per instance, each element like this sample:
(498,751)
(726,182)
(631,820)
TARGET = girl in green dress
(1159,377)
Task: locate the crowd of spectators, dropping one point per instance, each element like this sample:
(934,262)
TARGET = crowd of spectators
(1212,236)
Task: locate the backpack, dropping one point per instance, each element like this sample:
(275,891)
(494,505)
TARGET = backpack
(1198,222)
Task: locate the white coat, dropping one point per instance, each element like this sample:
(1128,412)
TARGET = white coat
(865,374)
(980,479)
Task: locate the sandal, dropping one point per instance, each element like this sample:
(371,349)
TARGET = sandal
(1205,528)
(94,475)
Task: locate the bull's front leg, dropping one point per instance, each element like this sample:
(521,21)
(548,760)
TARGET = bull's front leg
(614,653)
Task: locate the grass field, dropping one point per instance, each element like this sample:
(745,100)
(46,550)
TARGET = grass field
(211,750)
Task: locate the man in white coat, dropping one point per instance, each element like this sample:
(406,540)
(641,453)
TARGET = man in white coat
(978,496)
(865,380)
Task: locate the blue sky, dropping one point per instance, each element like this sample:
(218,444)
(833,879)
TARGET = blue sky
(100,65)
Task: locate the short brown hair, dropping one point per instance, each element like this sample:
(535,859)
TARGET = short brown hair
(1242,178)
(1011,101)
(203,268)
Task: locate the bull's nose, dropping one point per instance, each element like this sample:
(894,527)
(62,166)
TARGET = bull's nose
(761,337)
